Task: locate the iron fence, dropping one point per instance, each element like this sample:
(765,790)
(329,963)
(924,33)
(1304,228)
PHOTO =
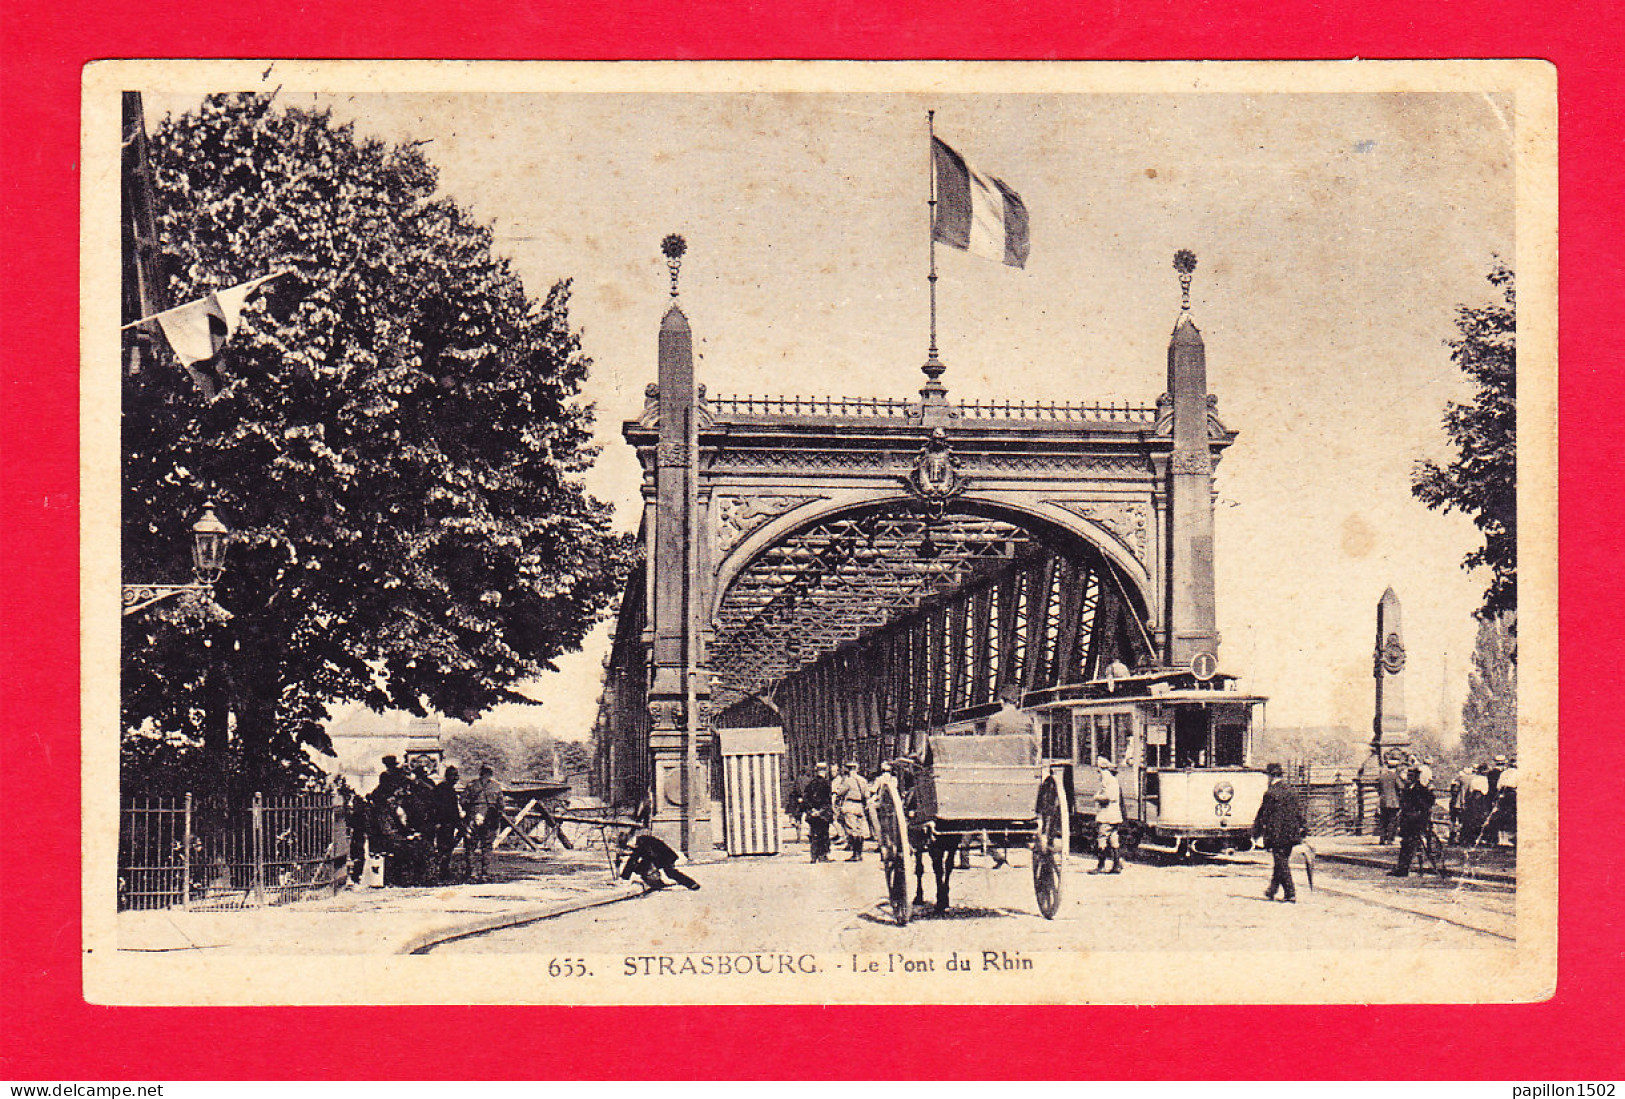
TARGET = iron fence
(202,853)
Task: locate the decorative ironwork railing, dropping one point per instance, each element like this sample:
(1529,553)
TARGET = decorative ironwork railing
(750,406)
(1062,411)
(200,853)
(735,406)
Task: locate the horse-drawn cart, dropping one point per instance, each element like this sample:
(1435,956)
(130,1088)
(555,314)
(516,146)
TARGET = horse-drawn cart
(987,788)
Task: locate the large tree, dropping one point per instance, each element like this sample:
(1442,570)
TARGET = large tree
(1489,718)
(1482,479)
(397,449)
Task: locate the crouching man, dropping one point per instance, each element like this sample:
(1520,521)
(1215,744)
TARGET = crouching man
(646,856)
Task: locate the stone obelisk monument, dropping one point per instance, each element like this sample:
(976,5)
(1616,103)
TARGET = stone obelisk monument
(1388,726)
(1192,638)
(679,688)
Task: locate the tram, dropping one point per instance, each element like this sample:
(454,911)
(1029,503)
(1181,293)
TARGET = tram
(1182,745)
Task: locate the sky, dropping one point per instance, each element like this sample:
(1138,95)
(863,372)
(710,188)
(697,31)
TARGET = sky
(1335,235)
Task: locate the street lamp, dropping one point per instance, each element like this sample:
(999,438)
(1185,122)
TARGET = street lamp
(208,562)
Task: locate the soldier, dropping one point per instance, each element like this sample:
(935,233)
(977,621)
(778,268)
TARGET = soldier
(482,809)
(1108,818)
(816,803)
(646,856)
(851,797)
(1280,825)
(793,808)
(448,822)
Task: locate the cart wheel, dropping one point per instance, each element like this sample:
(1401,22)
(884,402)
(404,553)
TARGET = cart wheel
(895,855)
(1051,840)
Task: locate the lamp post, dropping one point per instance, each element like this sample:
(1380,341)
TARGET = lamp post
(208,562)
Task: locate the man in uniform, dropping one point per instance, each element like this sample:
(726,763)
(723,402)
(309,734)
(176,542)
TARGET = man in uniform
(482,809)
(851,796)
(448,823)
(816,804)
(1108,818)
(1280,825)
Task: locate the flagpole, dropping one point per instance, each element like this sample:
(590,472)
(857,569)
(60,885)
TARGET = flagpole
(931,205)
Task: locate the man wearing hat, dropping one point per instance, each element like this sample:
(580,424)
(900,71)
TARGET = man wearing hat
(1388,783)
(1011,720)
(816,804)
(482,812)
(1415,818)
(851,796)
(1280,826)
(390,779)
(1502,825)
(1108,818)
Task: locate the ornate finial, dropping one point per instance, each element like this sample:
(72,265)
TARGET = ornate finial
(1185,264)
(674,246)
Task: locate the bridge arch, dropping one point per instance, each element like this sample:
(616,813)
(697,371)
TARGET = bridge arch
(1021,508)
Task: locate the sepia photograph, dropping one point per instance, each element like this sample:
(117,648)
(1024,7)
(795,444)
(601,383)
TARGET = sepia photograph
(818,532)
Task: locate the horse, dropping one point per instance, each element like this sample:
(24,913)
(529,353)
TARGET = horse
(944,852)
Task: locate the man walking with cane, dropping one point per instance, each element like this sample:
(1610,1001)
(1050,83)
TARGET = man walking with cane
(1280,825)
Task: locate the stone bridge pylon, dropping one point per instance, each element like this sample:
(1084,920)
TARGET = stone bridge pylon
(861,571)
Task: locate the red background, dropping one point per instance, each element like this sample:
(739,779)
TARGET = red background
(47,1031)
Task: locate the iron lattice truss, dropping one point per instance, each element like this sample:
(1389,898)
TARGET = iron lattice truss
(841,579)
(997,601)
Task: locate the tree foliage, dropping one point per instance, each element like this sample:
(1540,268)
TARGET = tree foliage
(396,449)
(1482,479)
(1489,717)
(515,754)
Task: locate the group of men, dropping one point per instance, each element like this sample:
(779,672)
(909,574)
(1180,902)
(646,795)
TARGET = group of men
(1393,777)
(417,824)
(842,803)
(1483,800)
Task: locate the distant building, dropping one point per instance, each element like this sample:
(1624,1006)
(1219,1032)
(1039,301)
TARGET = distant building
(362,739)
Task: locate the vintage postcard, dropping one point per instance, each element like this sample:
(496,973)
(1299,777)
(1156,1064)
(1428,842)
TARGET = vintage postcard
(781,532)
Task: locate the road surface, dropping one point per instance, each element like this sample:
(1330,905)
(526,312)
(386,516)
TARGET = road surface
(784,903)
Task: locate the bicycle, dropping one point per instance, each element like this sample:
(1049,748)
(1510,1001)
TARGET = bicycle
(1432,849)
(1429,852)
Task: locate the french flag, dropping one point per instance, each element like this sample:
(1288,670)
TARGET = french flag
(976,212)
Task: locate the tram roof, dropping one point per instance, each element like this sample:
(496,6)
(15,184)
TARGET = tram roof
(1163,686)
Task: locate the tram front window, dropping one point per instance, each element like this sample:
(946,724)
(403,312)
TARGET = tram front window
(1230,745)
(1190,737)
